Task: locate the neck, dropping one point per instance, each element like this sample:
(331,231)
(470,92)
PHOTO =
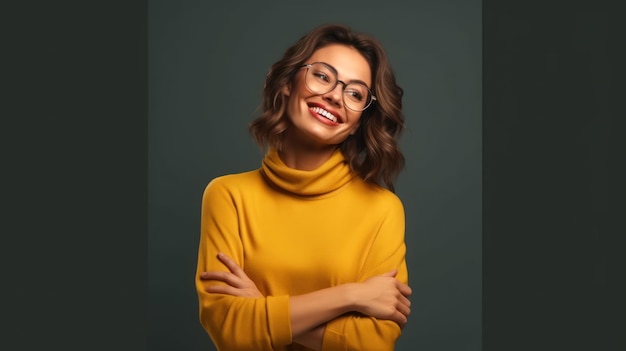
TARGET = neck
(305,157)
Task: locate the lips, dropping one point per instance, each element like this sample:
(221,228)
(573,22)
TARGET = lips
(321,111)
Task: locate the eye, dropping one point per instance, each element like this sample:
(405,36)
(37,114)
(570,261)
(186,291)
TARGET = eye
(321,76)
(354,94)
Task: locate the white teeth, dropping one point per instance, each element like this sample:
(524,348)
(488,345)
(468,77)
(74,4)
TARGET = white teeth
(324,113)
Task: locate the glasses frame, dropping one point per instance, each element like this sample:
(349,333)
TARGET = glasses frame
(337,81)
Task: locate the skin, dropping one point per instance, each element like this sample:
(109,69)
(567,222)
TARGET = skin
(381,296)
(309,142)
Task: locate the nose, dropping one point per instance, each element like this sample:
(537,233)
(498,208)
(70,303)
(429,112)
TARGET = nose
(335,96)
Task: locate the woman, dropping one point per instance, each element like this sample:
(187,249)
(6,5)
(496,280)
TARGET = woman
(308,251)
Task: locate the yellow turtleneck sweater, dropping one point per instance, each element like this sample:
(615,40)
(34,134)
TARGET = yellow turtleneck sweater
(294,232)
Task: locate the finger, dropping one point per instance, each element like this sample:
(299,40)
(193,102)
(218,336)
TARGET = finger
(404,309)
(232,265)
(390,273)
(399,318)
(225,277)
(405,301)
(223,289)
(402,325)
(404,289)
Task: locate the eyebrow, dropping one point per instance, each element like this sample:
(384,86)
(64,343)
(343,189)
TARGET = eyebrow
(356,81)
(337,74)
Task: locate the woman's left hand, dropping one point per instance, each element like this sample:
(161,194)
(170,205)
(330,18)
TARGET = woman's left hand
(238,283)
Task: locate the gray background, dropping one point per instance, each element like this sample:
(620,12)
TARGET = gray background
(207,62)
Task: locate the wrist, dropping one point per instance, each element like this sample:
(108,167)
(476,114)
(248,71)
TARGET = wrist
(351,295)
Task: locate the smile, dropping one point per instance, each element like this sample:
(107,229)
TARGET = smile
(320,111)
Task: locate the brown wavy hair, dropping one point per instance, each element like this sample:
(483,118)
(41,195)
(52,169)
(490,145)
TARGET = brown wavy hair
(373,151)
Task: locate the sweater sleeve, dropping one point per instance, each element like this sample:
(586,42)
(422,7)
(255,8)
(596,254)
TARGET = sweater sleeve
(234,323)
(359,332)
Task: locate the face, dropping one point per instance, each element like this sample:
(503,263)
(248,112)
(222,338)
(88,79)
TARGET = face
(323,119)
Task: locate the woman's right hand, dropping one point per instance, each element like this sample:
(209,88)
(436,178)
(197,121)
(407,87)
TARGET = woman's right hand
(384,297)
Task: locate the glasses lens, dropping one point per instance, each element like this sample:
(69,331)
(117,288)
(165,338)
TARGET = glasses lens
(356,96)
(321,79)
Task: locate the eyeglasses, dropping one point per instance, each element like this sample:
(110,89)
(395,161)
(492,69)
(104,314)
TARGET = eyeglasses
(321,78)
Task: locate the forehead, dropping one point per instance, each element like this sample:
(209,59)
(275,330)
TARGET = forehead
(348,62)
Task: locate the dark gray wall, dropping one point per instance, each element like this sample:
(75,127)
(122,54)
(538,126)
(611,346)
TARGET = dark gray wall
(207,63)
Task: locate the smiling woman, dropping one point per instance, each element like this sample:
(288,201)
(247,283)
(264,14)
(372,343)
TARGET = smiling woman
(308,252)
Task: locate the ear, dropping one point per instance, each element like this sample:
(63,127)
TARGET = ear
(286,89)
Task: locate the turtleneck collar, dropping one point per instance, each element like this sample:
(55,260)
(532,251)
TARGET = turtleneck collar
(330,176)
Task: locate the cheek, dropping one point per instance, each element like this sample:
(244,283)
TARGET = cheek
(297,97)
(293,106)
(356,123)
(356,119)
(297,86)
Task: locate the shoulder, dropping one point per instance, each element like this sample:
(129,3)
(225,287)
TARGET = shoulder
(391,205)
(375,202)
(234,178)
(234,183)
(378,196)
